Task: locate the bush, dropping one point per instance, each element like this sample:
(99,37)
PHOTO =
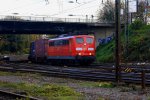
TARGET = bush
(136,25)
(26,50)
(138,45)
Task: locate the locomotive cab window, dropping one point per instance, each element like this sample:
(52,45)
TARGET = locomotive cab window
(79,40)
(65,42)
(89,40)
(59,43)
(51,43)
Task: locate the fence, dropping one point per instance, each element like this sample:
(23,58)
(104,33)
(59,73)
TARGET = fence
(51,19)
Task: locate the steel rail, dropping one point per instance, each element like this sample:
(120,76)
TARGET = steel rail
(6,95)
(78,73)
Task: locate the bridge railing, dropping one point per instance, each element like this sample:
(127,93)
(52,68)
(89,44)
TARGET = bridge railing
(49,19)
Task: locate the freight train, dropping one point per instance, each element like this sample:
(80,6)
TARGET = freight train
(77,49)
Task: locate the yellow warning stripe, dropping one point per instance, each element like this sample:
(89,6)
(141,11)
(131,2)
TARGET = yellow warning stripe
(128,70)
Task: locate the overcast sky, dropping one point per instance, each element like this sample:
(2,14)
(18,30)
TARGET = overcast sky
(55,8)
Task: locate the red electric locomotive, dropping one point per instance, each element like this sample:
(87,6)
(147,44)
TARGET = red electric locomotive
(69,49)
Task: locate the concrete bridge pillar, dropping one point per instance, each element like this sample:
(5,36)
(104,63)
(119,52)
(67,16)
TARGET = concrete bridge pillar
(102,33)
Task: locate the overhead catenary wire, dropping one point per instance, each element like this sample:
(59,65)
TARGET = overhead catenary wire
(60,4)
(47,2)
(88,8)
(66,10)
(25,6)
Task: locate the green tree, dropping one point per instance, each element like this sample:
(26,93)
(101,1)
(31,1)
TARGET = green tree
(107,13)
(141,10)
(10,43)
(139,15)
(16,43)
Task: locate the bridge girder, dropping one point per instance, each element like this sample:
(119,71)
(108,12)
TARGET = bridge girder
(34,27)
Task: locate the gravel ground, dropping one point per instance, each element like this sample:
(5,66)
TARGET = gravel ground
(91,93)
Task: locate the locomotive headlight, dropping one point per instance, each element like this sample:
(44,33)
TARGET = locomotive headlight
(90,53)
(79,54)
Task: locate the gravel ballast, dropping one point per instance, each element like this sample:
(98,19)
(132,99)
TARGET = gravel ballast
(89,91)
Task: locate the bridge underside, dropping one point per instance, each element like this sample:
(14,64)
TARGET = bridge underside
(31,27)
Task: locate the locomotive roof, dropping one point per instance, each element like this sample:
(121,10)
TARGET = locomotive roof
(67,37)
(62,38)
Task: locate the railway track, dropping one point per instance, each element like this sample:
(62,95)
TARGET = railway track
(5,95)
(103,73)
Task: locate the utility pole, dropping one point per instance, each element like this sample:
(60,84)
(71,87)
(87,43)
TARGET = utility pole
(137,6)
(117,40)
(127,30)
(146,11)
(125,26)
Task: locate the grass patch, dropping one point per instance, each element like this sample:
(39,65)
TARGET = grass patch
(35,75)
(48,91)
(11,73)
(105,52)
(5,73)
(89,84)
(101,98)
(106,85)
(97,84)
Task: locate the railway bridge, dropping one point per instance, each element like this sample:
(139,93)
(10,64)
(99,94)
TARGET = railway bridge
(49,25)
